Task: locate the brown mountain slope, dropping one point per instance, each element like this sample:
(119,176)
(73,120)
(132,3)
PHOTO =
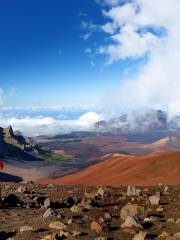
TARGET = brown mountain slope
(169,142)
(142,170)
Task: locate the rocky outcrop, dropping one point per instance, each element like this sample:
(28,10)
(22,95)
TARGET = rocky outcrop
(14,145)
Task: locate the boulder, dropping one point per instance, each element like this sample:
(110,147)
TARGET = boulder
(96,227)
(177,235)
(154,200)
(132,210)
(140,236)
(50,213)
(57,225)
(26,228)
(75,209)
(133,191)
(130,222)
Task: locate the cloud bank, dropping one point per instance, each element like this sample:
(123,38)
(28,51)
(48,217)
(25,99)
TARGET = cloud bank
(50,126)
(145,29)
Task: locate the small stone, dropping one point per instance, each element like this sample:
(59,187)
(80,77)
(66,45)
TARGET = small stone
(160,209)
(130,222)
(50,237)
(170,220)
(140,236)
(151,219)
(133,191)
(147,220)
(154,200)
(26,228)
(107,216)
(63,234)
(75,209)
(75,233)
(47,203)
(57,225)
(21,189)
(87,218)
(51,213)
(177,235)
(100,192)
(96,227)
(178,222)
(85,204)
(89,195)
(166,188)
(164,234)
(69,221)
(130,231)
(101,220)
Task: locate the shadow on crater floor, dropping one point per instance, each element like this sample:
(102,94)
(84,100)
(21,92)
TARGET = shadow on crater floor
(5,177)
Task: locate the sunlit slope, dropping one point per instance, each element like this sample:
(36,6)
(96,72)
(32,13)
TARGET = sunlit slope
(143,170)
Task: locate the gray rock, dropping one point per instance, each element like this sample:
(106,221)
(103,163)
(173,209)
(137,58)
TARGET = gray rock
(26,228)
(100,192)
(140,236)
(50,213)
(21,189)
(130,222)
(107,216)
(154,200)
(47,203)
(133,191)
(57,225)
(132,210)
(177,235)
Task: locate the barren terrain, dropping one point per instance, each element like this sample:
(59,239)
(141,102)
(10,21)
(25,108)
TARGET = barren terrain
(40,212)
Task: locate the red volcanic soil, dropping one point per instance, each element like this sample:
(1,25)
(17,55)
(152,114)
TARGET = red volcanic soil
(111,140)
(149,169)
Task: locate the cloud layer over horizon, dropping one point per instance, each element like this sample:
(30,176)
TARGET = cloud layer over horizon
(39,125)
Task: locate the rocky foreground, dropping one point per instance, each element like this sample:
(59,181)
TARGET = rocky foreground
(48,212)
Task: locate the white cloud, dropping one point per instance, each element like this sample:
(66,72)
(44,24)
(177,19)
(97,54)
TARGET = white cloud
(88,51)
(87,36)
(44,108)
(128,43)
(146,27)
(109,27)
(50,126)
(108,2)
(89,27)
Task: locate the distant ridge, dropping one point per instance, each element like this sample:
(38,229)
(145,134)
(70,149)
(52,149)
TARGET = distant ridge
(169,142)
(140,121)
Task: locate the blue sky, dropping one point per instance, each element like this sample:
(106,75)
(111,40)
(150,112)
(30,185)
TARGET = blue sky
(65,64)
(42,54)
